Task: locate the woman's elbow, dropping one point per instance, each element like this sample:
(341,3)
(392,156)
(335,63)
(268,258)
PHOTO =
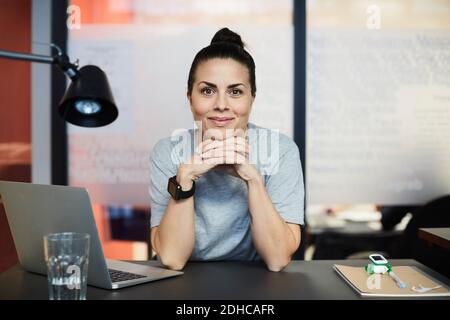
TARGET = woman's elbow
(176,266)
(277,265)
(173,264)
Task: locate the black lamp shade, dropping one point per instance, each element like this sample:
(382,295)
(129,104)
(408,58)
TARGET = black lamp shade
(90,84)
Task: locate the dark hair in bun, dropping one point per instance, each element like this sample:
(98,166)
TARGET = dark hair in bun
(226,35)
(225,44)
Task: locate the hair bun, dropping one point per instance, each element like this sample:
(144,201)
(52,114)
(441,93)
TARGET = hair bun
(226,35)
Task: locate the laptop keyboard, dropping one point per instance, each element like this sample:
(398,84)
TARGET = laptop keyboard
(118,276)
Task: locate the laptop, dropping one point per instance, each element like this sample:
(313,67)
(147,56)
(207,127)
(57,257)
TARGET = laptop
(35,210)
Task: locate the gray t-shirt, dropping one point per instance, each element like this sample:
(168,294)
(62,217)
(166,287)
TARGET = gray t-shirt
(222,216)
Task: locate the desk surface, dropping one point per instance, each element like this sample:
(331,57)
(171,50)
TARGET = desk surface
(438,236)
(216,280)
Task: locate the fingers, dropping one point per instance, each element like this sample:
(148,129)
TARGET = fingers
(233,143)
(217,153)
(229,146)
(214,150)
(220,134)
(227,157)
(234,150)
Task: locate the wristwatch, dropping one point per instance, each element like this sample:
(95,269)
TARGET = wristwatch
(175,190)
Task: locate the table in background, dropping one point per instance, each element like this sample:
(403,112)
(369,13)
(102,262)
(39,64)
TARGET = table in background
(437,236)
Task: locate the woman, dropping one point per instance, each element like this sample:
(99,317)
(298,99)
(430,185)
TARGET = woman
(216,204)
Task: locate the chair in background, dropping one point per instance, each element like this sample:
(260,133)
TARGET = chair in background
(434,214)
(394,245)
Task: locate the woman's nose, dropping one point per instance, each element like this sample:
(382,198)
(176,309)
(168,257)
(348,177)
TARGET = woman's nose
(221,103)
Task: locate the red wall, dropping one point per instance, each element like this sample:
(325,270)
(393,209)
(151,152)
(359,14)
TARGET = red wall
(15,110)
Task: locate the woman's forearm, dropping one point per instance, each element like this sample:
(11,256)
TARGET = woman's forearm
(175,236)
(273,239)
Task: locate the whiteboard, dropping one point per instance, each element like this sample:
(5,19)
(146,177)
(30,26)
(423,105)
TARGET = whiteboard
(378,103)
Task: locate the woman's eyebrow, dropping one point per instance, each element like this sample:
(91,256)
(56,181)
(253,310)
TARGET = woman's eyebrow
(215,86)
(236,85)
(209,84)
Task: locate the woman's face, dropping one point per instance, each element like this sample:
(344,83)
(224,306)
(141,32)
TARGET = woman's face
(221,95)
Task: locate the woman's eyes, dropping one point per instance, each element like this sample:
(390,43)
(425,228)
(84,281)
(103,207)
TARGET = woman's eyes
(209,91)
(236,92)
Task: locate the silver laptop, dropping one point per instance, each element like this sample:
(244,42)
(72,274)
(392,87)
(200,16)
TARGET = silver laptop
(35,210)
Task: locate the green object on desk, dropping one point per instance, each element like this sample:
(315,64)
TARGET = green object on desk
(382,269)
(377,269)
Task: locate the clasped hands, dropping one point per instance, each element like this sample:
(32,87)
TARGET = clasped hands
(229,154)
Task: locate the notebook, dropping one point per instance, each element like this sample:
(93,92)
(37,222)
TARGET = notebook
(384,286)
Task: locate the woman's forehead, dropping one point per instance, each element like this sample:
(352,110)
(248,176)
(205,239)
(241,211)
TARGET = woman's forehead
(222,70)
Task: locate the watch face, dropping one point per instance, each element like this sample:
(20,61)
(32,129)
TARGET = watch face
(176,192)
(172,188)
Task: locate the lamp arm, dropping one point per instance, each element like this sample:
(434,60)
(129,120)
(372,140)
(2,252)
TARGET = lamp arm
(61,60)
(27,57)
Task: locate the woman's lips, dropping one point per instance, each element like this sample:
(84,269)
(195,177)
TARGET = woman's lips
(220,121)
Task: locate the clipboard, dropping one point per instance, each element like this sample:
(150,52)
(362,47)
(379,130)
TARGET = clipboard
(382,285)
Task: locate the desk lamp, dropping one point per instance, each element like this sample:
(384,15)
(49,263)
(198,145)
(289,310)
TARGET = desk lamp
(88,102)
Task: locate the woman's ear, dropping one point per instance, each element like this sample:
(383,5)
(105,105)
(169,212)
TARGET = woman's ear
(189,96)
(251,103)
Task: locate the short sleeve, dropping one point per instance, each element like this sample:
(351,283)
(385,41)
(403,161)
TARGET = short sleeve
(285,186)
(161,169)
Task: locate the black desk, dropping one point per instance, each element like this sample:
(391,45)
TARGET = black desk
(216,280)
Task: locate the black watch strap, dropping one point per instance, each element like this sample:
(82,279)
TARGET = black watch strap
(176,191)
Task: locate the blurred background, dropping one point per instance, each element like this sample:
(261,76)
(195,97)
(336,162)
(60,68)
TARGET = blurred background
(363,87)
